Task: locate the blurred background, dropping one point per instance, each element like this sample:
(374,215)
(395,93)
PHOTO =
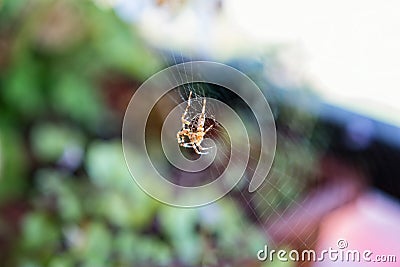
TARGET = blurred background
(68,69)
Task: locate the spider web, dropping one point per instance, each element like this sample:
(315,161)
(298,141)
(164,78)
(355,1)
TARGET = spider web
(293,167)
(292,170)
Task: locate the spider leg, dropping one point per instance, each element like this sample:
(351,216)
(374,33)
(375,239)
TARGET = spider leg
(209,128)
(179,137)
(183,119)
(197,150)
(187,145)
(203,148)
(202,120)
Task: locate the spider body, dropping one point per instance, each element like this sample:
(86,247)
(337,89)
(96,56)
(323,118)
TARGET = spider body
(192,133)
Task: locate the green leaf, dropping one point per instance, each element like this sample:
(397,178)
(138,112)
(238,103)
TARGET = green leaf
(179,225)
(23,89)
(106,166)
(123,246)
(98,245)
(74,97)
(54,184)
(61,261)
(13,163)
(49,141)
(39,233)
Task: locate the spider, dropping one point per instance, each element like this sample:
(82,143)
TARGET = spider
(195,135)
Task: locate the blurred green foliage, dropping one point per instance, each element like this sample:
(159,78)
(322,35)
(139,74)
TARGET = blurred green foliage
(53,57)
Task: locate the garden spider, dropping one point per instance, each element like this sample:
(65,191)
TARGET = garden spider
(195,135)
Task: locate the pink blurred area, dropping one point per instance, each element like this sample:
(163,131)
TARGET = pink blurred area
(371,222)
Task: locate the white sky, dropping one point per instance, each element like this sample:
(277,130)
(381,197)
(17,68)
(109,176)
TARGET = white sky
(349,50)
